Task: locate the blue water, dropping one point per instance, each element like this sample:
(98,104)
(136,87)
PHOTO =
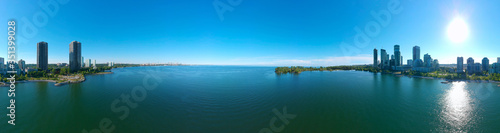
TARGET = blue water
(242,99)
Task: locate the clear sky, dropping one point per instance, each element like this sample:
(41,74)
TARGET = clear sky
(251,32)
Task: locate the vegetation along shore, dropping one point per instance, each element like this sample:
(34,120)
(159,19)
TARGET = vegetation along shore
(62,75)
(441,73)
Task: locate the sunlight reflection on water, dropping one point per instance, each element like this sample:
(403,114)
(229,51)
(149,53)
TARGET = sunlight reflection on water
(457,108)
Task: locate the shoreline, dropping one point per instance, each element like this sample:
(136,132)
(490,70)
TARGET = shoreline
(80,80)
(40,80)
(455,80)
(83,78)
(101,73)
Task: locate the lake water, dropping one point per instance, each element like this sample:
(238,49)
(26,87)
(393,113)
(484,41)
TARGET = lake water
(234,99)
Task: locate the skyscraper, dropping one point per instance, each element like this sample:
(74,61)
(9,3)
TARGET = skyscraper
(409,62)
(95,63)
(470,65)
(22,64)
(1,64)
(88,63)
(383,58)
(75,56)
(375,59)
(460,64)
(82,63)
(498,59)
(42,61)
(392,62)
(397,56)
(486,64)
(416,53)
(427,60)
(401,61)
(387,61)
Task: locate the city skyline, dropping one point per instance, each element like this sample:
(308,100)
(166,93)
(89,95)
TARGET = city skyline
(162,32)
(76,46)
(416,55)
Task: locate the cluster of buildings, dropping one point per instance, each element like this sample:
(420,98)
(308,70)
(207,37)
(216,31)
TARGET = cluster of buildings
(76,61)
(110,64)
(475,67)
(395,62)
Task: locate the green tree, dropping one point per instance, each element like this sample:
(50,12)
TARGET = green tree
(63,71)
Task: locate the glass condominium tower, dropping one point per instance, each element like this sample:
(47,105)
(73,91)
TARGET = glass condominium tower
(75,56)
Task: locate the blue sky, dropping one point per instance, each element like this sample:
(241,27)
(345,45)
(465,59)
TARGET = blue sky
(255,32)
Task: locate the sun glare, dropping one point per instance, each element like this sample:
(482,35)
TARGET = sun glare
(458,30)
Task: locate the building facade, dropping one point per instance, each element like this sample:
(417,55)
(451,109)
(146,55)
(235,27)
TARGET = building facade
(416,53)
(392,61)
(470,65)
(42,61)
(375,59)
(88,63)
(409,62)
(460,64)
(418,63)
(427,60)
(397,56)
(75,56)
(2,64)
(384,61)
(62,64)
(82,63)
(495,68)
(486,64)
(22,64)
(477,67)
(401,61)
(435,64)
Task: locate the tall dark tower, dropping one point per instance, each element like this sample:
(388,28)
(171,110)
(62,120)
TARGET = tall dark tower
(42,61)
(375,59)
(486,64)
(75,56)
(397,56)
(416,53)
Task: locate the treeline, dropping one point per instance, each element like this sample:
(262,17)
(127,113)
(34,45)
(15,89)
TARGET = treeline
(455,76)
(299,69)
(53,73)
(442,72)
(54,66)
(93,71)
